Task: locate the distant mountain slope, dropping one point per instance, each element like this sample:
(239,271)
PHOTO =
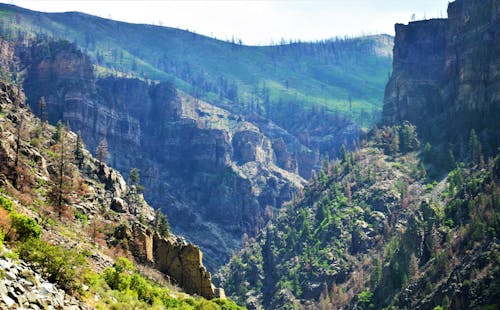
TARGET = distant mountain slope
(372,232)
(346,75)
(398,223)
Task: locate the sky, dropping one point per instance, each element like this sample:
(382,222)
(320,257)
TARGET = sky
(257,22)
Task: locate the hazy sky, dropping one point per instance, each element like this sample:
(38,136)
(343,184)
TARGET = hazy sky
(257,22)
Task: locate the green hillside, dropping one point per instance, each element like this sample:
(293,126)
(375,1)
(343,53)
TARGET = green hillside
(345,75)
(373,231)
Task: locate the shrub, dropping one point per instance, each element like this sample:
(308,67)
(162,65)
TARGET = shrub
(26,227)
(65,267)
(6,203)
(226,304)
(119,276)
(83,218)
(365,298)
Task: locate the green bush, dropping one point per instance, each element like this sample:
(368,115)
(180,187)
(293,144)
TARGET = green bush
(65,267)
(26,227)
(83,218)
(119,276)
(365,298)
(6,203)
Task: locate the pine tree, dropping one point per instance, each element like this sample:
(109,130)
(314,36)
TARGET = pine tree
(101,152)
(162,225)
(62,186)
(43,112)
(57,135)
(79,150)
(134,179)
(427,154)
(475,147)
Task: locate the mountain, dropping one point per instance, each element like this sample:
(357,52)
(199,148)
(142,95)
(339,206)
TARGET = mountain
(223,134)
(330,73)
(409,220)
(334,81)
(76,225)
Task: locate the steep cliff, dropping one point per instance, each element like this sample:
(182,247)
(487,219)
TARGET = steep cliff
(214,172)
(446,75)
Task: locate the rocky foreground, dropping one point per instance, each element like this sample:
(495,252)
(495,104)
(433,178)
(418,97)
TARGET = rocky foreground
(22,287)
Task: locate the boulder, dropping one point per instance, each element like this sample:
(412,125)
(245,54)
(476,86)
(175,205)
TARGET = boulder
(119,205)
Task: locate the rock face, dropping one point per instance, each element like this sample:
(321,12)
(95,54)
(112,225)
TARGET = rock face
(446,74)
(214,174)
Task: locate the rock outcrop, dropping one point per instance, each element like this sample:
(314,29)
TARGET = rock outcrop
(183,262)
(446,74)
(173,256)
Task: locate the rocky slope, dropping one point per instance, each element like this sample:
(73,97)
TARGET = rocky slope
(22,287)
(96,212)
(446,75)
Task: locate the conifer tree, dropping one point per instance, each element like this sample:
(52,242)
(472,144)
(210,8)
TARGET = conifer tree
(79,150)
(101,152)
(62,185)
(475,147)
(43,112)
(162,225)
(134,179)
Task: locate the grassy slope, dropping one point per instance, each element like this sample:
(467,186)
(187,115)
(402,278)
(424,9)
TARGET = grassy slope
(316,73)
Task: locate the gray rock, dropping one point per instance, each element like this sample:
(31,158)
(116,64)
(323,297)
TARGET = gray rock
(7,301)
(19,288)
(119,205)
(3,289)
(4,264)
(48,288)
(25,283)
(10,275)
(32,297)
(34,307)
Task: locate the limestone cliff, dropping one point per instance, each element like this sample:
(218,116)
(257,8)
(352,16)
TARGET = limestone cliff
(214,173)
(446,74)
